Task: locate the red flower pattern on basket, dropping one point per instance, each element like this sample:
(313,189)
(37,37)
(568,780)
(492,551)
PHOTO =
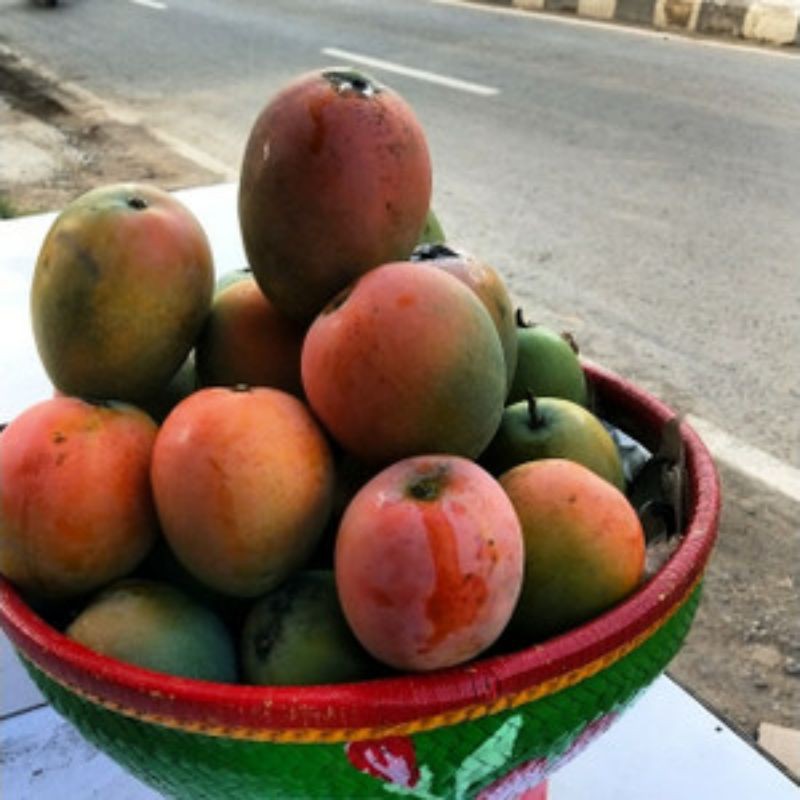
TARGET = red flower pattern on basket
(530,774)
(516,783)
(392,759)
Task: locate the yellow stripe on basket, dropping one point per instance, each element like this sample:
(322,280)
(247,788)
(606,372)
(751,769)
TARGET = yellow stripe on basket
(446,719)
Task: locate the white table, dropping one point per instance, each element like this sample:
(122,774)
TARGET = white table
(668,746)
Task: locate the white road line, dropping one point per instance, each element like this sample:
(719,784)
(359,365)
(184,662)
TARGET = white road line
(622,28)
(154,4)
(748,460)
(411,72)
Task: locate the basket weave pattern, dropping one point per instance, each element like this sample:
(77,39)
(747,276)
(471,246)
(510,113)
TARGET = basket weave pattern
(454,761)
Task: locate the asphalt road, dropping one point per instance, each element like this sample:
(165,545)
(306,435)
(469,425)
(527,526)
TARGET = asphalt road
(638,189)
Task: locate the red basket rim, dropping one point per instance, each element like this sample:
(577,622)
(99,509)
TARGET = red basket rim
(417,701)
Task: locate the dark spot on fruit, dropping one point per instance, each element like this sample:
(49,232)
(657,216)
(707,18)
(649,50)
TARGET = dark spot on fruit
(432,252)
(270,632)
(424,489)
(59,438)
(60,458)
(351,81)
(573,498)
(265,640)
(429,486)
(395,148)
(80,254)
(137,203)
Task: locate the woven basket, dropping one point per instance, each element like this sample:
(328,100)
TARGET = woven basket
(490,729)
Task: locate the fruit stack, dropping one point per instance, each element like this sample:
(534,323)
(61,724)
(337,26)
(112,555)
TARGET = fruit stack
(347,460)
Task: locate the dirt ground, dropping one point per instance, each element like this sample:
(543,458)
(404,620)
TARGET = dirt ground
(54,147)
(742,656)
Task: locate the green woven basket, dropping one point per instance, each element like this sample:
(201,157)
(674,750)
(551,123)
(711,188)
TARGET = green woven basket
(491,729)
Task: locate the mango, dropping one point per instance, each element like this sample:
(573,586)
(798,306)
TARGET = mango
(76,508)
(551,427)
(489,288)
(547,365)
(584,546)
(122,286)
(405,362)
(243,484)
(428,562)
(154,625)
(247,341)
(335,180)
(297,635)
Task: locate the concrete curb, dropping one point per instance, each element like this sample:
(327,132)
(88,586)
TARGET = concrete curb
(766,22)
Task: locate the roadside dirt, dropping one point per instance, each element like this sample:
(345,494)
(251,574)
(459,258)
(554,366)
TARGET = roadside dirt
(743,654)
(55,146)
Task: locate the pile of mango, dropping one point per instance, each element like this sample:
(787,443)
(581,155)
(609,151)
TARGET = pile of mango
(347,459)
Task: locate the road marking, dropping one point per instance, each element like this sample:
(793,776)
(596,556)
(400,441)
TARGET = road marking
(622,28)
(748,460)
(154,4)
(411,72)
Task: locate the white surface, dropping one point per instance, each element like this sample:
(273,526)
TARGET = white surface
(44,757)
(22,380)
(17,690)
(669,747)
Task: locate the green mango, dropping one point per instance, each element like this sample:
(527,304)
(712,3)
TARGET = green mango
(551,427)
(153,625)
(432,233)
(298,635)
(547,365)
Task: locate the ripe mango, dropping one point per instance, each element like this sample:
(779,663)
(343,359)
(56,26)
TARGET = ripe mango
(584,546)
(76,508)
(335,180)
(121,288)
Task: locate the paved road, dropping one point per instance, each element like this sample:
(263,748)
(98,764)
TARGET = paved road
(641,190)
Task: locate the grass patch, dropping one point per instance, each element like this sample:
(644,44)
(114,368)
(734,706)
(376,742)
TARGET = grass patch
(6,209)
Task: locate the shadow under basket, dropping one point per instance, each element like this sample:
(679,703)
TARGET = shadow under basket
(493,728)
